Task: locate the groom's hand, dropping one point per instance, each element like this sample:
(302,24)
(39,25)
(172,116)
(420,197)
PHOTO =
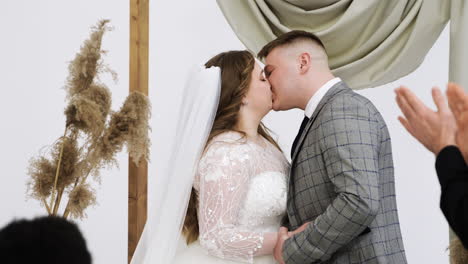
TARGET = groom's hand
(282,236)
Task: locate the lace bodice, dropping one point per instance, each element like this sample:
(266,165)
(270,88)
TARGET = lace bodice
(242,190)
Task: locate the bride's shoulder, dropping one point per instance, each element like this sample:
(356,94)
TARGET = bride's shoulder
(227,142)
(228,138)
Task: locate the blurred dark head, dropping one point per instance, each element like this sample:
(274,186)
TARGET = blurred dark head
(43,240)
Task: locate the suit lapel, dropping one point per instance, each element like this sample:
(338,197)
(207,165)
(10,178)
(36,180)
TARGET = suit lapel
(341,86)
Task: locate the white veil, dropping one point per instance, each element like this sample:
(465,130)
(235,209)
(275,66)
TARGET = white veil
(160,238)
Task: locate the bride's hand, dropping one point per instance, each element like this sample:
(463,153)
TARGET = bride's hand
(300,229)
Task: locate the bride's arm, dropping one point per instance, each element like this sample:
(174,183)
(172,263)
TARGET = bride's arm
(224,173)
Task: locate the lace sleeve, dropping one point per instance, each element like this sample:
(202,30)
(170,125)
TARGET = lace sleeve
(224,173)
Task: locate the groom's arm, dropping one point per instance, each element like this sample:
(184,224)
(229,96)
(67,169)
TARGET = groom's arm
(349,141)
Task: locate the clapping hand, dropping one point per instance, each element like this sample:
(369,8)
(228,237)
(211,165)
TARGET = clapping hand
(434,129)
(458,102)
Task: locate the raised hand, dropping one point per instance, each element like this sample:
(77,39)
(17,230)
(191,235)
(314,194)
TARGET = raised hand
(434,130)
(458,102)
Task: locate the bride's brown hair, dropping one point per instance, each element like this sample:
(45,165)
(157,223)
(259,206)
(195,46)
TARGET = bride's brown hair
(236,74)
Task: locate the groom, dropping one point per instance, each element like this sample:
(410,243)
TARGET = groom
(342,178)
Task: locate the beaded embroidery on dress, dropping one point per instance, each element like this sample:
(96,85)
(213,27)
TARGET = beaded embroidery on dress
(242,190)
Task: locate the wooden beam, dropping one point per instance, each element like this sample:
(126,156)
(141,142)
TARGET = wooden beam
(138,175)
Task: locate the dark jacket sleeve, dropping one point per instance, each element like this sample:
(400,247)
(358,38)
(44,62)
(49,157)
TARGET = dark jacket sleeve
(452,171)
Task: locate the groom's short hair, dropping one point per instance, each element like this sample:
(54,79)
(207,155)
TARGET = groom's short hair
(289,38)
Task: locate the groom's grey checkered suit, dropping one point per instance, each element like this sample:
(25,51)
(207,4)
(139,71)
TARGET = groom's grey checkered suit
(342,180)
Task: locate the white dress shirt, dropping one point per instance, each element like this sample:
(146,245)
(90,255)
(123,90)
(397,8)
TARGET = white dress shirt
(317,97)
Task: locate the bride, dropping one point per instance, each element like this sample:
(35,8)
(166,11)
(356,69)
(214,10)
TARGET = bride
(238,187)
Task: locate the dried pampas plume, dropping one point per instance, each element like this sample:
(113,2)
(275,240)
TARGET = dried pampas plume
(42,172)
(79,199)
(67,148)
(130,126)
(84,114)
(93,134)
(90,101)
(86,64)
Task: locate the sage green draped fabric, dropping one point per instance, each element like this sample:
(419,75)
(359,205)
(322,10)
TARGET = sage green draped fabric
(369,42)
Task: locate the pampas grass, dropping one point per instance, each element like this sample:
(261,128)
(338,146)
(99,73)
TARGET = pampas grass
(79,199)
(130,126)
(93,134)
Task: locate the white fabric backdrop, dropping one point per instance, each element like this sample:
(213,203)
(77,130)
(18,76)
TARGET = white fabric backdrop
(40,37)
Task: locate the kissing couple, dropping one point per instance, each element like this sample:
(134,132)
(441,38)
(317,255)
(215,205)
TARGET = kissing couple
(333,203)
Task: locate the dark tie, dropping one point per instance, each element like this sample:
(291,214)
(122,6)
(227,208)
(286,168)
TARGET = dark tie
(303,125)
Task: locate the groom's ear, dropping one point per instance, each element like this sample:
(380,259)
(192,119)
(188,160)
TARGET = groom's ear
(304,62)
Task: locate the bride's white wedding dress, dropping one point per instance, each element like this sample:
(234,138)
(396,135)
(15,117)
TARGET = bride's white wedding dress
(242,190)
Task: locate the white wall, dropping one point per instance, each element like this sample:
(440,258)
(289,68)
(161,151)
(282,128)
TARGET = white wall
(39,37)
